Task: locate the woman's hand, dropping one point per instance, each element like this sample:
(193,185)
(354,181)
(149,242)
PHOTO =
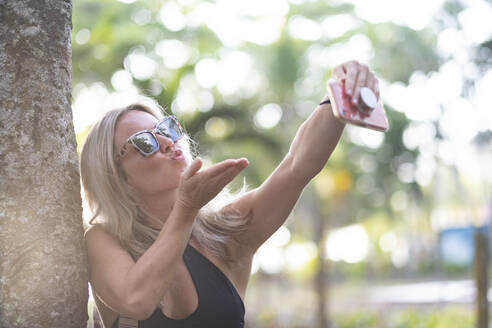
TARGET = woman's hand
(356,76)
(197,188)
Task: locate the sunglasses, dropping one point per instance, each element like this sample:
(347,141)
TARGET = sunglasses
(146,142)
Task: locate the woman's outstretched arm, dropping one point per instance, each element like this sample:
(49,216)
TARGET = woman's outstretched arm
(269,205)
(319,134)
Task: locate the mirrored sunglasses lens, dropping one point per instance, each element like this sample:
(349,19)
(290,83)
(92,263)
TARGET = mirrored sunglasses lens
(170,128)
(146,143)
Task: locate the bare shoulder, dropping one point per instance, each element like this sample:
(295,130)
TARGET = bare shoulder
(109,263)
(94,230)
(96,234)
(103,247)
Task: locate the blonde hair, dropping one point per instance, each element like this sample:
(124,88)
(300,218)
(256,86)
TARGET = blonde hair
(114,204)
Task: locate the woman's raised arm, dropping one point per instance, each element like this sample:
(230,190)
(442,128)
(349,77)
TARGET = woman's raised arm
(270,204)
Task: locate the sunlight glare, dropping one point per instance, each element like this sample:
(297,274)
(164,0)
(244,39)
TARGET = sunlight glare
(233,71)
(400,255)
(216,127)
(172,17)
(388,241)
(300,27)
(414,14)
(280,238)
(234,22)
(271,258)
(298,255)
(458,122)
(483,100)
(174,53)
(335,26)
(358,47)
(121,80)
(426,166)
(451,41)
(255,266)
(140,65)
(365,137)
(349,244)
(185,102)
(476,22)
(268,116)
(206,101)
(92,102)
(206,72)
(82,36)
(418,134)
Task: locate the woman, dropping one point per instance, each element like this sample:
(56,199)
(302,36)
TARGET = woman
(170,247)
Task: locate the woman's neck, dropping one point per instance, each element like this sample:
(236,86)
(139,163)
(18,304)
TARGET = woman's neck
(159,206)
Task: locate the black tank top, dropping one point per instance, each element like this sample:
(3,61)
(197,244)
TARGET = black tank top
(219,304)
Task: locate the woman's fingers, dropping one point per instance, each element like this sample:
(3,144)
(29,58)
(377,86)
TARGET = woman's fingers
(339,72)
(193,168)
(373,84)
(219,168)
(197,188)
(229,174)
(356,76)
(359,83)
(351,69)
(216,173)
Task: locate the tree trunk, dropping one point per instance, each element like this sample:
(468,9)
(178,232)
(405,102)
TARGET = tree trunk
(481,278)
(43,263)
(321,282)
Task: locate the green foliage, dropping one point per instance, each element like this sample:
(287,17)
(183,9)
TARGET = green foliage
(455,317)
(115,33)
(402,51)
(398,52)
(442,318)
(362,319)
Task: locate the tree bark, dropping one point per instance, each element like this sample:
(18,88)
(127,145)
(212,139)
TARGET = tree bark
(321,281)
(43,263)
(481,278)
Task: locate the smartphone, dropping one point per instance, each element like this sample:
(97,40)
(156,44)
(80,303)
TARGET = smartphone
(373,117)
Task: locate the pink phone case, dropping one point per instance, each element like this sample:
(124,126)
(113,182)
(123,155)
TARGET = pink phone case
(348,113)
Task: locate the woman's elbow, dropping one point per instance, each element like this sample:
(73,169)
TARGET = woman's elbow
(139,309)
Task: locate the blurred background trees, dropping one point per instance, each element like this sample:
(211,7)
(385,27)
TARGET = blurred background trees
(243,75)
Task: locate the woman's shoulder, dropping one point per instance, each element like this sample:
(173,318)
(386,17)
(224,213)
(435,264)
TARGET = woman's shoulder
(97,233)
(94,229)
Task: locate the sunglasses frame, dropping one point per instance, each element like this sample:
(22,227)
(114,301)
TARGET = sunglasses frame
(130,141)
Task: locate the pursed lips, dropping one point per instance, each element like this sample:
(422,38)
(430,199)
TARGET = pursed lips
(177,154)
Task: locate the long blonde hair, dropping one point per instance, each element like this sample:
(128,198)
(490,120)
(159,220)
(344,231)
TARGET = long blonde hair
(114,204)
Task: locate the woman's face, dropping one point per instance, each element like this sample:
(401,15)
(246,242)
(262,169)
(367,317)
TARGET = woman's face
(161,171)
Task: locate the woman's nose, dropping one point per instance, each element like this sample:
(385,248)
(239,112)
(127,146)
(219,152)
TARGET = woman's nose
(166,143)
